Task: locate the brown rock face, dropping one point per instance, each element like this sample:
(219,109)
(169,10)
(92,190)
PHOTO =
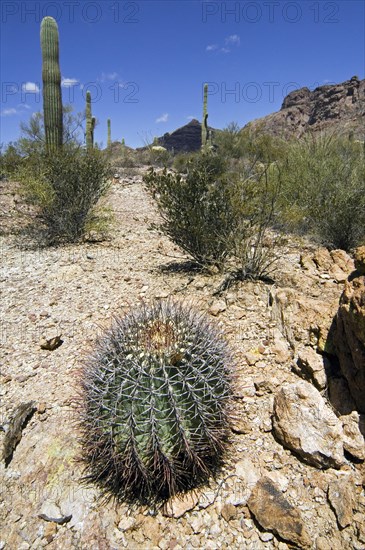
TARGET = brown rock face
(359,257)
(350,341)
(338,107)
(274,513)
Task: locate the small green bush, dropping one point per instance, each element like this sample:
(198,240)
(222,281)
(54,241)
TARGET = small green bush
(10,160)
(216,216)
(323,190)
(195,209)
(249,143)
(65,187)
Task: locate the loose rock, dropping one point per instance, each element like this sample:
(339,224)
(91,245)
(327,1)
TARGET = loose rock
(177,506)
(340,495)
(305,424)
(353,438)
(311,366)
(274,513)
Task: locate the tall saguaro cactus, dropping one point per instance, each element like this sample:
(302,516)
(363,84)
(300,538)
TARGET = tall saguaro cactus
(205,131)
(90,123)
(109,133)
(51,76)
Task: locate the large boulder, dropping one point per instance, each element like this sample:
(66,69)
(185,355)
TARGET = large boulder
(350,331)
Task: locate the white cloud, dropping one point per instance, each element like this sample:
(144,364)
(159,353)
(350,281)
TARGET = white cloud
(163,118)
(23,106)
(211,47)
(225,50)
(8,112)
(108,76)
(233,39)
(30,88)
(69,82)
(190,117)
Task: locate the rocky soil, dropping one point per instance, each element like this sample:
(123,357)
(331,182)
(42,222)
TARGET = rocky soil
(294,474)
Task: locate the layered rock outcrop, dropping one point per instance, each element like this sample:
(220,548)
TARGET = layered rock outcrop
(338,108)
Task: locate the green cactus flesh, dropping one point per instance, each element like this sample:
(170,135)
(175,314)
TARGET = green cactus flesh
(155,391)
(109,142)
(205,118)
(51,76)
(90,123)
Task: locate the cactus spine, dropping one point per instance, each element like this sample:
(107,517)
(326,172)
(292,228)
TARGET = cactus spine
(109,133)
(51,76)
(90,123)
(205,130)
(153,409)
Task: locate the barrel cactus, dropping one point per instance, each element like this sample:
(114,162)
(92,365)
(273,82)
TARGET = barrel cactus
(51,76)
(154,397)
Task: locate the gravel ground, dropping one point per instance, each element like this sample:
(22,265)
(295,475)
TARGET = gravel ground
(73,292)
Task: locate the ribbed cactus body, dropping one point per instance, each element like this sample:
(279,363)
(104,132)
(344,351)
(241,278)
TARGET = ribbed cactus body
(51,76)
(205,118)
(90,123)
(154,403)
(109,133)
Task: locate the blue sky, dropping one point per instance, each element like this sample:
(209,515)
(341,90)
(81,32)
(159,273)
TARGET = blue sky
(145,61)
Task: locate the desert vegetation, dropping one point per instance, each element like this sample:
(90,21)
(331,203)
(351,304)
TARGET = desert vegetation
(160,396)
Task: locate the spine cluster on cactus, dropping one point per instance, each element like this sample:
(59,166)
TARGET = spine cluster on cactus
(154,404)
(51,76)
(90,123)
(109,133)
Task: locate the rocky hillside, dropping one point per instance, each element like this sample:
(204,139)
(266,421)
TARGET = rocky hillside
(339,108)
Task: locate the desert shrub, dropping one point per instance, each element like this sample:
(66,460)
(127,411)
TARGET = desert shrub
(251,144)
(216,216)
(194,209)
(230,143)
(255,198)
(10,160)
(182,161)
(32,140)
(159,156)
(323,190)
(65,187)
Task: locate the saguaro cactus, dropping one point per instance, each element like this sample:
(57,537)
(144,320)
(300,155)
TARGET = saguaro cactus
(109,133)
(205,131)
(51,76)
(90,123)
